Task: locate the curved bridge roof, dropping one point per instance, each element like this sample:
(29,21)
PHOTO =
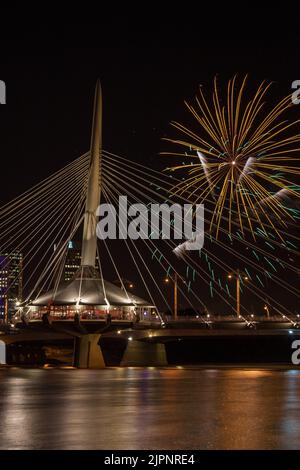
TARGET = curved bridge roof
(87,289)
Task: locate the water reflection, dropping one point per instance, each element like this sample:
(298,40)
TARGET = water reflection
(133,408)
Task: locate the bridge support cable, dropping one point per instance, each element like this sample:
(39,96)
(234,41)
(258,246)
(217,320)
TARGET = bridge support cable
(167,186)
(29,222)
(113,176)
(199,301)
(64,211)
(117,160)
(138,268)
(113,197)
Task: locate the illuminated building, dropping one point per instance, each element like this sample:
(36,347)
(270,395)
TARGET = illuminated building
(73,260)
(11,282)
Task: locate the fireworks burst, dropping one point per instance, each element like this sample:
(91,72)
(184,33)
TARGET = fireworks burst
(241,158)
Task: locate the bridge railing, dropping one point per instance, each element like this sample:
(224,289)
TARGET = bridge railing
(233,318)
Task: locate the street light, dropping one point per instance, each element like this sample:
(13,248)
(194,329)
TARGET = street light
(266,307)
(175,280)
(238,289)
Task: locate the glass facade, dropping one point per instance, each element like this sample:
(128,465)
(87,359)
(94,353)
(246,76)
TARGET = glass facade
(73,260)
(11,282)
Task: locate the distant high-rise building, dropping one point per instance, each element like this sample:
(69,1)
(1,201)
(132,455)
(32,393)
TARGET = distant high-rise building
(11,282)
(73,260)
(3,287)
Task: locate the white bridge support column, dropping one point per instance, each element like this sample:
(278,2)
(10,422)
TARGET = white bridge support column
(87,352)
(89,242)
(2,352)
(143,353)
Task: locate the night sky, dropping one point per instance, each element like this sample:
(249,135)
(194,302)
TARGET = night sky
(50,74)
(46,122)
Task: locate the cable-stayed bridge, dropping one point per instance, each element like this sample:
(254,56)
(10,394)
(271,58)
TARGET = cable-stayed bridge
(65,204)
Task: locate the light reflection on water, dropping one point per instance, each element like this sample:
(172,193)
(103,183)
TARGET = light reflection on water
(150,408)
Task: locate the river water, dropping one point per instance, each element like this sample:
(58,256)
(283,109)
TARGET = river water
(150,408)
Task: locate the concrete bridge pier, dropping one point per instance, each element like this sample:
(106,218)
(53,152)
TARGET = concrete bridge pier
(143,353)
(2,352)
(87,352)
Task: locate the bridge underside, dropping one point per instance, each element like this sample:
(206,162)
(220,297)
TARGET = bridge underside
(125,344)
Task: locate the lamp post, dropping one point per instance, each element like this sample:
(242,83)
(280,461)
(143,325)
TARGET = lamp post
(238,295)
(175,297)
(266,307)
(175,294)
(238,290)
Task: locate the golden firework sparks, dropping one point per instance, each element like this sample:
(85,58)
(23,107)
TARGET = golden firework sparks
(244,156)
